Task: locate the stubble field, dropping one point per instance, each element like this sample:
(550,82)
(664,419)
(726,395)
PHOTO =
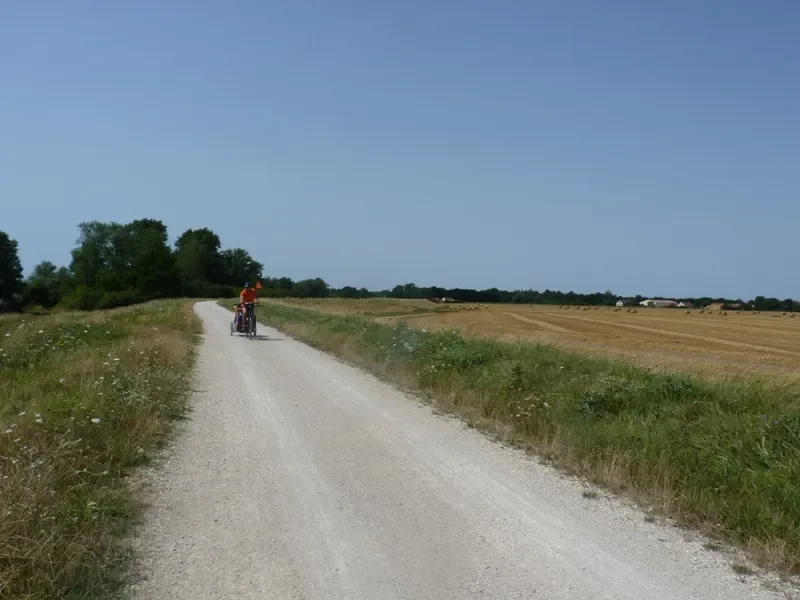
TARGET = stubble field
(713,344)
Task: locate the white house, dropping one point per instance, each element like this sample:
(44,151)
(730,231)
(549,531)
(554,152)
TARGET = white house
(659,303)
(685,304)
(620,303)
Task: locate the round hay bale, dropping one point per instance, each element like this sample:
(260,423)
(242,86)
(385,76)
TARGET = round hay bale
(635,311)
(688,312)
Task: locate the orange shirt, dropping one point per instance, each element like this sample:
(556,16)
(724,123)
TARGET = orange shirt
(247,295)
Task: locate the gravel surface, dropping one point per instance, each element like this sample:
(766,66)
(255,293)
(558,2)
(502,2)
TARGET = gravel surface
(300,477)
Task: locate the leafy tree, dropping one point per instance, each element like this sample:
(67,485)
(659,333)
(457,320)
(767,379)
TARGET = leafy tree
(118,264)
(311,288)
(145,260)
(239,267)
(11,284)
(348,292)
(47,285)
(197,258)
(93,257)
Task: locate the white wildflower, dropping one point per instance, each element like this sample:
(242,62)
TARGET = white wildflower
(62,380)
(41,331)
(22,414)
(116,360)
(8,335)
(95,420)
(39,420)
(8,431)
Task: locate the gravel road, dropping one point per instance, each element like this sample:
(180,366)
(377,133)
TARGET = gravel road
(300,477)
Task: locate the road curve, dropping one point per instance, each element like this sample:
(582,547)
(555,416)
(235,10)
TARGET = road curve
(300,477)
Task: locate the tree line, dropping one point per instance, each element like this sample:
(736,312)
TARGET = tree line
(553,297)
(117,264)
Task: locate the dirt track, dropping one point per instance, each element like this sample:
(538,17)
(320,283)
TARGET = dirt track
(300,477)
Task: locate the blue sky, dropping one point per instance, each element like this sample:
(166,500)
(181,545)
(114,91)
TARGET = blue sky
(642,147)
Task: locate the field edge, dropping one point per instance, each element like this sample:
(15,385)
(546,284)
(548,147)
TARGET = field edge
(107,389)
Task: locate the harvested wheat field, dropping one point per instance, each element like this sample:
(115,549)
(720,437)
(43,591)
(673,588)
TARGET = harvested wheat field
(713,344)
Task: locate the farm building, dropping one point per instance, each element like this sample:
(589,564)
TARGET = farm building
(620,303)
(653,303)
(715,306)
(685,304)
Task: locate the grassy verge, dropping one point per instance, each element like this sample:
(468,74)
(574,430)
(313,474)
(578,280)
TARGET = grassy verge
(723,457)
(84,398)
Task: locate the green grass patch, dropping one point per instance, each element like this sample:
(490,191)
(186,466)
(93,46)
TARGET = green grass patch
(84,398)
(723,457)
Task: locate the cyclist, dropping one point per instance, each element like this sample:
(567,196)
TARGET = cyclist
(248,294)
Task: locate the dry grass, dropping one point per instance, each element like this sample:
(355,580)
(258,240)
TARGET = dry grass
(84,398)
(661,339)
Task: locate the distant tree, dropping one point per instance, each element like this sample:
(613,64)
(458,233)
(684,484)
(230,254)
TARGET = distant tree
(146,259)
(311,288)
(93,258)
(238,267)
(47,285)
(11,283)
(348,292)
(116,264)
(197,258)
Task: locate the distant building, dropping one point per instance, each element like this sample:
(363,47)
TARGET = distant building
(653,303)
(685,304)
(715,306)
(620,303)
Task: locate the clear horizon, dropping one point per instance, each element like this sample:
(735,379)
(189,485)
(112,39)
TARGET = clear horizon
(631,147)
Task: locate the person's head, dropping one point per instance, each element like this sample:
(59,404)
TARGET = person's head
(248,285)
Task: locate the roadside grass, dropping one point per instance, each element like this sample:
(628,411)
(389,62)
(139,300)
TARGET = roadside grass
(84,398)
(722,457)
